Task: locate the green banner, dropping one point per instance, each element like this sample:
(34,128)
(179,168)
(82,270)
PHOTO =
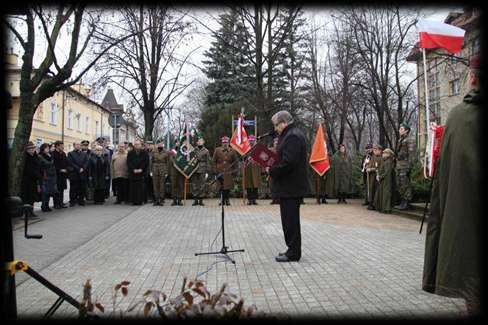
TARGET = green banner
(186,161)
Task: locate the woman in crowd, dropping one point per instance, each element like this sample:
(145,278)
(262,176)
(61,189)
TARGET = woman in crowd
(120,174)
(48,176)
(98,174)
(342,173)
(31,177)
(384,177)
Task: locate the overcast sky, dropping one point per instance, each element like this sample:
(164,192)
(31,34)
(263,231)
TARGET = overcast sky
(202,41)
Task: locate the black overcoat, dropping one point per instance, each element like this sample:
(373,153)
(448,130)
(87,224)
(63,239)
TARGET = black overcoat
(98,172)
(61,162)
(31,178)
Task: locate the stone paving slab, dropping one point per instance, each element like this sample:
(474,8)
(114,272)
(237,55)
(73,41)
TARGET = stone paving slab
(354,262)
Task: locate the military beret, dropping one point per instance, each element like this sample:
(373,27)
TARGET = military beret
(225,139)
(369,146)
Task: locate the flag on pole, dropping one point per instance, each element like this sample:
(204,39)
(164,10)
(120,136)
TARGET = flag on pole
(239,141)
(319,159)
(435,34)
(433,149)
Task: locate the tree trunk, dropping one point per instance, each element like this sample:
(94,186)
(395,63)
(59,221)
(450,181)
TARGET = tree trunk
(148,122)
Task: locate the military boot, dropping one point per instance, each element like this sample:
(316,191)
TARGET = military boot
(200,202)
(156,202)
(174,202)
(195,202)
(402,206)
(179,202)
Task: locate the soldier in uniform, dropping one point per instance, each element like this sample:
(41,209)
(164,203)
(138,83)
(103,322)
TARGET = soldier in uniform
(159,162)
(405,155)
(372,168)
(199,176)
(252,176)
(224,159)
(326,184)
(453,247)
(177,179)
(342,173)
(384,182)
(366,180)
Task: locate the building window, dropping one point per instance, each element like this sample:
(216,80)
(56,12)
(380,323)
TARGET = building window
(454,87)
(78,121)
(53,114)
(87,125)
(40,113)
(38,142)
(433,77)
(70,119)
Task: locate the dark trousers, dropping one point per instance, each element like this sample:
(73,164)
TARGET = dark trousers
(252,193)
(58,198)
(120,188)
(77,191)
(149,188)
(99,195)
(290,220)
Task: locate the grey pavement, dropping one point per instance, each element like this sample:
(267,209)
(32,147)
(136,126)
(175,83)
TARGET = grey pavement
(355,262)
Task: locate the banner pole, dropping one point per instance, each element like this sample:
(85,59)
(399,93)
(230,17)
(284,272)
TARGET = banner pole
(427,119)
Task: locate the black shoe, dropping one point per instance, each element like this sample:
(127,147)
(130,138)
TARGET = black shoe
(370,207)
(57,207)
(365,203)
(324,201)
(284,258)
(195,202)
(117,202)
(161,203)
(72,204)
(174,203)
(81,203)
(339,201)
(200,202)
(179,202)
(254,202)
(227,202)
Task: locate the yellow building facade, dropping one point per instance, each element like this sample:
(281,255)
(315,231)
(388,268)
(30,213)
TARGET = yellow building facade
(69,115)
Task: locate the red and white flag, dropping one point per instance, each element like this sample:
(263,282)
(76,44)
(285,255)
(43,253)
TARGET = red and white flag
(319,158)
(435,34)
(239,140)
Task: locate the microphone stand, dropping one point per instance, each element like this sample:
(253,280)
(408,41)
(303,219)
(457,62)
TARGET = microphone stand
(220,177)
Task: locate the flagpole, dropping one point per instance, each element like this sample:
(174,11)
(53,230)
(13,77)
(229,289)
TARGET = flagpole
(427,119)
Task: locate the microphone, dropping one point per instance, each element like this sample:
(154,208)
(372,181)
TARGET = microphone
(267,134)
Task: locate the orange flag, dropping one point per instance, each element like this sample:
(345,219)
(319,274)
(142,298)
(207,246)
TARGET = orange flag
(319,159)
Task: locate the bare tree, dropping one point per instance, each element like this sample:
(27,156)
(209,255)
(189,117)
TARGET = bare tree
(54,73)
(147,66)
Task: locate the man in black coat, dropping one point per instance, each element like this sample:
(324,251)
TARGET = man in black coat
(78,160)
(62,166)
(137,165)
(290,183)
(31,177)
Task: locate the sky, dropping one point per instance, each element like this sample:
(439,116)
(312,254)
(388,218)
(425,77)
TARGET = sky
(202,41)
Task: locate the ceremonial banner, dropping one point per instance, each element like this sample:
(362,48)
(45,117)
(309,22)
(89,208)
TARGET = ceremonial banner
(433,149)
(319,159)
(239,141)
(263,156)
(186,161)
(435,34)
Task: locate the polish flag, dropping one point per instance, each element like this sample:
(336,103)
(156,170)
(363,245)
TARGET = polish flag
(239,140)
(435,34)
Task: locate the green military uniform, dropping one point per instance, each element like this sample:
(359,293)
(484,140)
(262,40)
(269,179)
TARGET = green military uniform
(405,156)
(222,161)
(159,165)
(252,180)
(453,249)
(325,184)
(177,182)
(384,187)
(342,175)
(372,168)
(198,177)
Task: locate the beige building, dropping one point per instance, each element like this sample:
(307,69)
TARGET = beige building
(69,115)
(447,76)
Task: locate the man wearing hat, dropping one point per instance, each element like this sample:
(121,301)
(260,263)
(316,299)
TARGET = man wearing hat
(372,169)
(78,160)
(84,146)
(62,166)
(384,182)
(252,176)
(405,157)
(453,255)
(365,162)
(198,177)
(31,177)
(223,161)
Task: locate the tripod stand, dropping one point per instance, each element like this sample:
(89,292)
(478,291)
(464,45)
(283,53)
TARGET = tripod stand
(224,251)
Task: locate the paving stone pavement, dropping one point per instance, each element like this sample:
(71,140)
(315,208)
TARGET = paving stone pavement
(355,262)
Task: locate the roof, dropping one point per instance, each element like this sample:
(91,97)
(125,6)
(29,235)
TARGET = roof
(110,102)
(77,93)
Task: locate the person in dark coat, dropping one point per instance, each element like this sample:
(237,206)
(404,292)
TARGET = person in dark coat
(62,169)
(453,251)
(384,182)
(78,160)
(31,176)
(137,164)
(252,176)
(367,181)
(49,186)
(342,173)
(290,182)
(98,174)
